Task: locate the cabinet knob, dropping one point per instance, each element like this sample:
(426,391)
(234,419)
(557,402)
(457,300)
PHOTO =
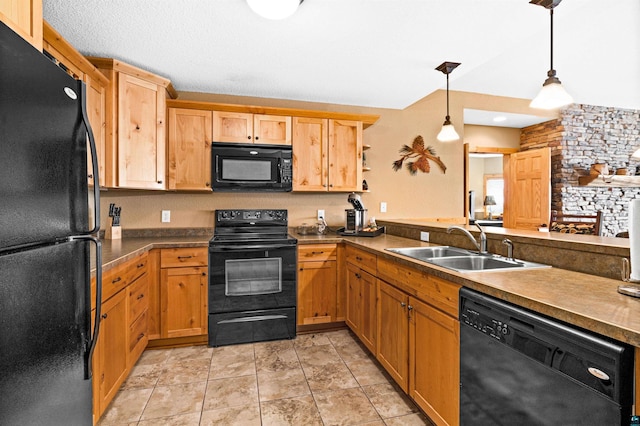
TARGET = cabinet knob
(409,307)
(204,274)
(358,275)
(104,316)
(140,296)
(140,265)
(90,176)
(207,184)
(117,280)
(159,182)
(257,137)
(248,137)
(403,304)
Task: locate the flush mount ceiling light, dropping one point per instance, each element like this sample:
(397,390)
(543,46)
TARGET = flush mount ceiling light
(274,9)
(552,95)
(448,132)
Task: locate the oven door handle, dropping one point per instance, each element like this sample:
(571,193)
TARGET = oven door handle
(252,319)
(218,249)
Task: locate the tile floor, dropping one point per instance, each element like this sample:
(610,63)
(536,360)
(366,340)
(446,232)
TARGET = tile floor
(316,379)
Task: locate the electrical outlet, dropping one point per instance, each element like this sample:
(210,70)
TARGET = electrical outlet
(383,207)
(424,236)
(166,216)
(321,215)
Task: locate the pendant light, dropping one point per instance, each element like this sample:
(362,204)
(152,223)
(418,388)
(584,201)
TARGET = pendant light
(552,95)
(274,9)
(448,132)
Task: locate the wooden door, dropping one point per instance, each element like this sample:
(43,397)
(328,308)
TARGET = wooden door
(317,292)
(434,362)
(141,134)
(232,127)
(527,189)
(96,112)
(353,308)
(25,18)
(368,311)
(310,156)
(345,155)
(112,348)
(190,137)
(393,333)
(184,301)
(272,129)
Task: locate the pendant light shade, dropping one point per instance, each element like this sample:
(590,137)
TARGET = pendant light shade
(552,95)
(448,132)
(274,9)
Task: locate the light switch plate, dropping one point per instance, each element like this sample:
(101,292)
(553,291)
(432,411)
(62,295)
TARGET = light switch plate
(166,216)
(383,207)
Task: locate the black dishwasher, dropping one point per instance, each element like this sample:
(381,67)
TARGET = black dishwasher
(520,368)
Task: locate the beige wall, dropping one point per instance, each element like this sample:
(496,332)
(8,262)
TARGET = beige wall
(436,194)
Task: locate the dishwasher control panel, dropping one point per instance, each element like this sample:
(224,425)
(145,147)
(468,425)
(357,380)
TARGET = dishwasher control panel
(481,321)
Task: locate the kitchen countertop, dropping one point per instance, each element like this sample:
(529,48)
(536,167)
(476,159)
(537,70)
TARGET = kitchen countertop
(580,299)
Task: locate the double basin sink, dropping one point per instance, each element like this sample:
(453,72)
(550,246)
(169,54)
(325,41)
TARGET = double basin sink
(462,260)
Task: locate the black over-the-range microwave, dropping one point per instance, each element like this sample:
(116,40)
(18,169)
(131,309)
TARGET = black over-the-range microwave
(251,167)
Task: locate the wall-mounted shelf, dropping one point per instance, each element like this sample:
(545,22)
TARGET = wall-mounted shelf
(610,181)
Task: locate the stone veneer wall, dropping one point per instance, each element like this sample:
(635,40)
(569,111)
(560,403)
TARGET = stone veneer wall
(584,135)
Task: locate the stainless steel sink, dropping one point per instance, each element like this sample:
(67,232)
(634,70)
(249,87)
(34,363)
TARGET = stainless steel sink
(463,260)
(423,253)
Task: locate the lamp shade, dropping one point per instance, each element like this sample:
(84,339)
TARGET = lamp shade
(274,9)
(636,154)
(489,200)
(448,133)
(551,96)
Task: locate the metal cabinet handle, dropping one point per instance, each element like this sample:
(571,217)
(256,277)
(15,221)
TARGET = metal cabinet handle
(358,275)
(117,280)
(184,257)
(140,296)
(104,316)
(140,265)
(403,304)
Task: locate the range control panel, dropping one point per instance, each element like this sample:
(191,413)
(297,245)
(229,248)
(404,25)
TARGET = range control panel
(239,217)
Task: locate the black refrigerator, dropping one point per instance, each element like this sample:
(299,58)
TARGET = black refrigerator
(48,215)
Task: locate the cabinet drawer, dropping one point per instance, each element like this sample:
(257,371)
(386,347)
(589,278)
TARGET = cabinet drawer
(363,259)
(121,276)
(317,252)
(138,297)
(181,257)
(138,337)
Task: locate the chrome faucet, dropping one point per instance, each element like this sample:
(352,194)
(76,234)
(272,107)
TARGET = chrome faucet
(481,246)
(507,242)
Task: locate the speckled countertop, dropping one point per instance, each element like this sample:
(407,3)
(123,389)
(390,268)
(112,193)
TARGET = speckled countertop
(584,300)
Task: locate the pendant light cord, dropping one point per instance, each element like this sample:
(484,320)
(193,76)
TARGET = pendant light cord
(551,10)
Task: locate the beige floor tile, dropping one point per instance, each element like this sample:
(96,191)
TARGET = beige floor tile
(126,407)
(416,419)
(341,337)
(345,407)
(389,401)
(232,363)
(307,340)
(282,384)
(291,411)
(331,377)
(190,419)
(142,377)
(242,415)
(189,371)
(189,353)
(352,352)
(276,357)
(368,372)
(167,401)
(154,357)
(318,356)
(231,392)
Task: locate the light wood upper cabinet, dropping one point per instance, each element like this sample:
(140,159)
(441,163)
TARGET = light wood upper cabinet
(25,18)
(251,128)
(327,155)
(189,165)
(135,153)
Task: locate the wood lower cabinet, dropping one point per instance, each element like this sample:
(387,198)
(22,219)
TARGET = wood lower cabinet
(189,165)
(361,305)
(317,284)
(25,18)
(183,292)
(393,333)
(243,127)
(434,354)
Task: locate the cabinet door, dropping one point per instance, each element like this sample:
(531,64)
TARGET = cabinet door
(96,112)
(25,18)
(368,311)
(393,333)
(112,348)
(434,356)
(232,127)
(317,292)
(190,149)
(353,309)
(141,133)
(272,129)
(345,155)
(184,301)
(310,154)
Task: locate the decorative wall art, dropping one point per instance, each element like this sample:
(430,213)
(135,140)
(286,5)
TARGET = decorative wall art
(421,154)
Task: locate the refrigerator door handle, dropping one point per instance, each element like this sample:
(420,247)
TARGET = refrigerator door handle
(82,89)
(98,315)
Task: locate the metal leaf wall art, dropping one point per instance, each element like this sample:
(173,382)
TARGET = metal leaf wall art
(421,156)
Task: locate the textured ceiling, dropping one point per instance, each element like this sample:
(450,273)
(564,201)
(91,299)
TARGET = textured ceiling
(378,53)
